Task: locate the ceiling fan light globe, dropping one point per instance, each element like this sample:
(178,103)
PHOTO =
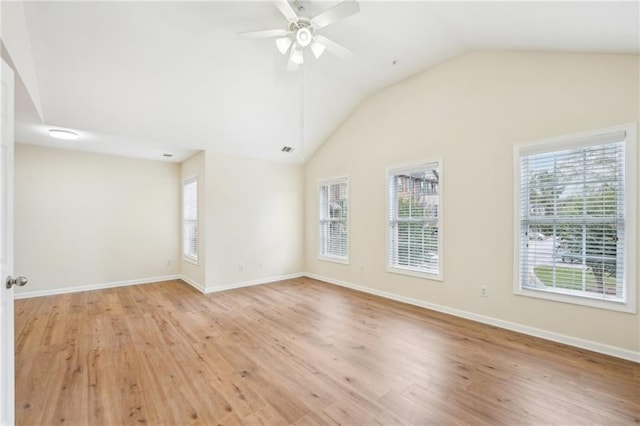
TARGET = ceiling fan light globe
(297,57)
(317,49)
(303,37)
(283,44)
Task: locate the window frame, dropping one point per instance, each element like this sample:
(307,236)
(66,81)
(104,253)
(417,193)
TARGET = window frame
(329,258)
(185,256)
(392,171)
(572,141)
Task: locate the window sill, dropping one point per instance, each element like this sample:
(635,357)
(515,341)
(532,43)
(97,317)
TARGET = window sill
(594,302)
(190,260)
(414,273)
(340,260)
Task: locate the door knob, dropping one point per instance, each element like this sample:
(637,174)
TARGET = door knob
(19,281)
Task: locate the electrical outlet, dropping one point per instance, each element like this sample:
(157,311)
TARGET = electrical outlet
(484,291)
(260,266)
(168,262)
(241,267)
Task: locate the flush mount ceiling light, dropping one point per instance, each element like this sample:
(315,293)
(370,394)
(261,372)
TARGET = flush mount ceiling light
(63,134)
(301,32)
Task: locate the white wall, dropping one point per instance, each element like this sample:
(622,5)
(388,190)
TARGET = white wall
(85,219)
(471,111)
(255,212)
(196,274)
(15,37)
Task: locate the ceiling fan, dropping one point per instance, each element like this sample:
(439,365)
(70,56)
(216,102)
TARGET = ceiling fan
(301,32)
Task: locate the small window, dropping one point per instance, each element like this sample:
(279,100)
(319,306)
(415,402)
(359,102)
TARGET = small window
(334,220)
(190,219)
(414,225)
(575,204)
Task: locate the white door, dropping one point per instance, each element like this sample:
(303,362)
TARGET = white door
(7,396)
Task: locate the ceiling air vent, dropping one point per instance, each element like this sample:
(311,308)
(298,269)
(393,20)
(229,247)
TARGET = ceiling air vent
(286,149)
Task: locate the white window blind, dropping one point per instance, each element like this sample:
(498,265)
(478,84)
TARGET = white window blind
(573,226)
(190,219)
(334,223)
(414,220)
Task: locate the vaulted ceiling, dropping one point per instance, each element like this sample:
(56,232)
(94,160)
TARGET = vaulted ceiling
(145,78)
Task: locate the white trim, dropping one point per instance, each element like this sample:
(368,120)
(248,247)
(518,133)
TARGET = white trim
(413,273)
(189,281)
(189,259)
(575,140)
(417,166)
(333,180)
(251,283)
(591,137)
(508,325)
(340,260)
(192,283)
(90,287)
(631,215)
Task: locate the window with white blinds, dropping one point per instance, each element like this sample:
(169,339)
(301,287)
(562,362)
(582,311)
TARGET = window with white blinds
(414,225)
(334,220)
(190,219)
(574,227)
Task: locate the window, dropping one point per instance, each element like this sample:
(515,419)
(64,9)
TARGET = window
(414,226)
(575,221)
(190,219)
(334,223)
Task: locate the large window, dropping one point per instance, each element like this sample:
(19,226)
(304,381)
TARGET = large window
(190,219)
(414,226)
(334,220)
(575,220)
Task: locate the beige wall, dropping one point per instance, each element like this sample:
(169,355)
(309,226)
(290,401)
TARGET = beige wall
(196,274)
(84,219)
(254,217)
(471,111)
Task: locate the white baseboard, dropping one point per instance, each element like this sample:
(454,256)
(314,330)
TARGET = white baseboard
(532,331)
(204,290)
(192,283)
(64,290)
(252,283)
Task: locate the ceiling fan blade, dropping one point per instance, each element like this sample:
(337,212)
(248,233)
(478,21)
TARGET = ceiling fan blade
(340,11)
(264,34)
(333,47)
(284,44)
(286,10)
(317,49)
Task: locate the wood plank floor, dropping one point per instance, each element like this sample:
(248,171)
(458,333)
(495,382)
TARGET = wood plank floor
(296,352)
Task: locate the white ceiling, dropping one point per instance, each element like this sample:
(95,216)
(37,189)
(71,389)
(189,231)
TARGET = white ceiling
(144,78)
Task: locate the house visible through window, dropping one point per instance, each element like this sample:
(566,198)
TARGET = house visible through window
(190,219)
(334,213)
(414,220)
(573,234)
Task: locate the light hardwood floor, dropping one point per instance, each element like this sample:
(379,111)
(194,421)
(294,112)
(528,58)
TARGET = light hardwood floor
(299,351)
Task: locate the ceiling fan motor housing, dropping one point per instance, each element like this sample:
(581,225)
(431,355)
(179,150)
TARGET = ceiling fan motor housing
(302,30)
(303,36)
